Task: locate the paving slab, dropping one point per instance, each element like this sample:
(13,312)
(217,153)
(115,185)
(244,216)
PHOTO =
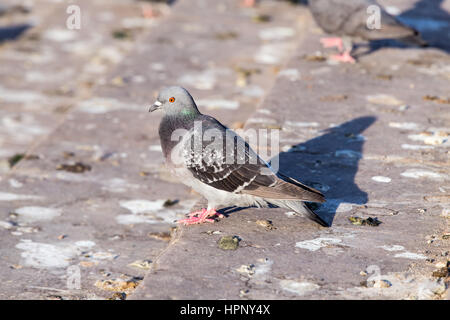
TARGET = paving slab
(48,67)
(92,200)
(374,138)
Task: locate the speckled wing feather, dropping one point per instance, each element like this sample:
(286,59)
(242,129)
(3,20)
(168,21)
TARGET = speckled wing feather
(228,163)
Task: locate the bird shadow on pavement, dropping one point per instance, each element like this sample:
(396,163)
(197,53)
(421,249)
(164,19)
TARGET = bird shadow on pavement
(331,158)
(431,20)
(329,163)
(427,17)
(12,32)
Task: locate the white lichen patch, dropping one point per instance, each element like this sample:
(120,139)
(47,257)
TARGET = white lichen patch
(69,176)
(142,206)
(218,104)
(264,111)
(392,248)
(24,128)
(276,33)
(381,179)
(111,54)
(344,207)
(445,212)
(420,173)
(5,196)
(103,255)
(300,288)
(15,184)
(407,146)
(291,214)
(318,243)
(19,96)
(103,105)
(44,255)
(410,255)
(33,214)
(262,268)
(430,138)
(204,80)
(85,244)
(6,224)
(118,185)
(300,124)
(291,74)
(137,22)
(60,35)
(151,212)
(404,125)
(253,91)
(155,147)
(384,99)
(272,53)
(262,120)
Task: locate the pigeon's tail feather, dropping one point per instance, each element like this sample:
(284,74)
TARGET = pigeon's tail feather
(415,40)
(299,207)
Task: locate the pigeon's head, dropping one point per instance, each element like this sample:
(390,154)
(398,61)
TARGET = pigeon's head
(175,101)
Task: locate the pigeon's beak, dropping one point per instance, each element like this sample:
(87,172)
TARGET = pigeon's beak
(155,106)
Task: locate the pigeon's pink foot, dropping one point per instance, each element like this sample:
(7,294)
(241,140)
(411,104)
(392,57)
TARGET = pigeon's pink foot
(343,57)
(248,3)
(200,217)
(332,42)
(148,12)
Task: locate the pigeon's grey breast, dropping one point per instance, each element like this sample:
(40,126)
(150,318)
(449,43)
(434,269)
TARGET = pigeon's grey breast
(170,129)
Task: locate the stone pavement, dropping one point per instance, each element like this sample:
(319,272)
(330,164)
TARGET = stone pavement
(84,195)
(86,204)
(374,138)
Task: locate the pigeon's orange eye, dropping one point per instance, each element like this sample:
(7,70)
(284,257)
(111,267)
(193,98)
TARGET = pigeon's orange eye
(172,99)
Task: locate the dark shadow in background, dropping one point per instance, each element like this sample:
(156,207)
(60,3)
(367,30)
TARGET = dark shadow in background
(12,32)
(427,17)
(433,22)
(332,159)
(329,163)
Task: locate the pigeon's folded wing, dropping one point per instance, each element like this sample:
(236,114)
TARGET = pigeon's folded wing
(235,167)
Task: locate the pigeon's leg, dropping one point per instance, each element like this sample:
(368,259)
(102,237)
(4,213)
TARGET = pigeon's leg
(345,52)
(200,217)
(149,12)
(343,57)
(333,42)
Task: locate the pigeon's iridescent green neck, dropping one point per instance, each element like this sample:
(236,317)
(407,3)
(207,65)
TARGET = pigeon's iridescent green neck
(188,112)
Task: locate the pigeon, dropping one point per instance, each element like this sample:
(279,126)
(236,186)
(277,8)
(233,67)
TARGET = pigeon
(220,165)
(350,18)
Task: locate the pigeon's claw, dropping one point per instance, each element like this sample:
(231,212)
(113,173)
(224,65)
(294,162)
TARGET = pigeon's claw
(199,217)
(333,42)
(343,57)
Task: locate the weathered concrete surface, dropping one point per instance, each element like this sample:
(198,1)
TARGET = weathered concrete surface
(99,216)
(371,138)
(47,68)
(45,72)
